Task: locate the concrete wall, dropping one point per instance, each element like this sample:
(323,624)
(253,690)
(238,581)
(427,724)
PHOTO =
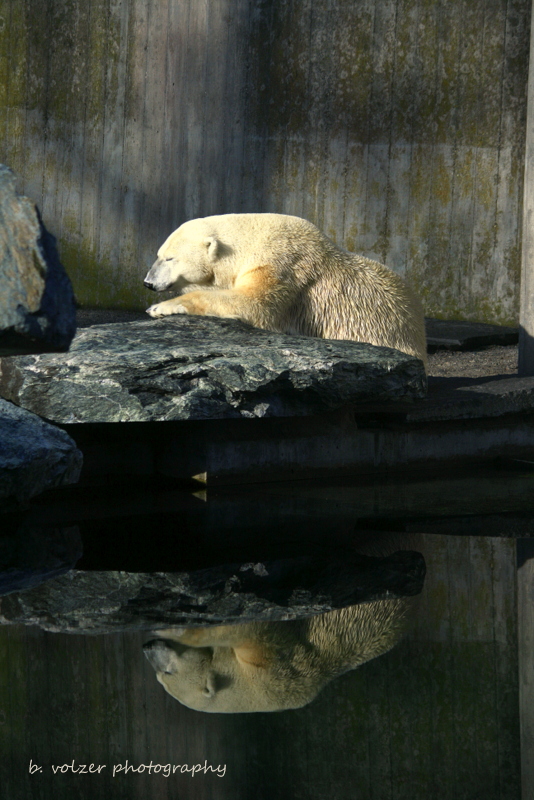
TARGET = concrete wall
(397,126)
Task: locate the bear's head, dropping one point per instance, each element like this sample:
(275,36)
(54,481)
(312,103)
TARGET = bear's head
(186,257)
(222,679)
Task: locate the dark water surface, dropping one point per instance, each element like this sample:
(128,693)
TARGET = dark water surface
(442,715)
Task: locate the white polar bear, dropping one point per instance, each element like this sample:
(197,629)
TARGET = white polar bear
(281,273)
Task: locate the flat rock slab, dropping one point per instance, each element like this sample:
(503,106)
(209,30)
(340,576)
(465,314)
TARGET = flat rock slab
(193,368)
(460,398)
(477,398)
(110,602)
(34,455)
(444,334)
(37,311)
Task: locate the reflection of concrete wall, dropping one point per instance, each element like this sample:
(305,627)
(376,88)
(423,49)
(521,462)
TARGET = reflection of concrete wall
(395,125)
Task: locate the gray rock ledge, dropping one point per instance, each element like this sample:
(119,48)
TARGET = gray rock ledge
(442,334)
(34,455)
(193,368)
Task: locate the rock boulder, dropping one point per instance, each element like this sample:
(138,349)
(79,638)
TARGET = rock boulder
(195,368)
(37,311)
(34,455)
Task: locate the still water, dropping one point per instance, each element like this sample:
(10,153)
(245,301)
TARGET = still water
(435,710)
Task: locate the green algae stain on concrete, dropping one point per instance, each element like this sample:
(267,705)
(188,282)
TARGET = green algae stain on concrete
(4,65)
(96,105)
(92,279)
(16,32)
(442,184)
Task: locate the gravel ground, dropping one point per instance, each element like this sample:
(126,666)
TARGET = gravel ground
(473,364)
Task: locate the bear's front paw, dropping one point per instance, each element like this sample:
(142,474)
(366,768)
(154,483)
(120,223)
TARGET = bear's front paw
(153,311)
(163,310)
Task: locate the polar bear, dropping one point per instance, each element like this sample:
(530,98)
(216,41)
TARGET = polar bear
(281,273)
(274,666)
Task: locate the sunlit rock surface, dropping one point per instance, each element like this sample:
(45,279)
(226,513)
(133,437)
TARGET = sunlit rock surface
(192,368)
(34,455)
(37,312)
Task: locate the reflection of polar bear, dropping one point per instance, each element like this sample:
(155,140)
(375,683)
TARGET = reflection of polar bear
(281,273)
(271,666)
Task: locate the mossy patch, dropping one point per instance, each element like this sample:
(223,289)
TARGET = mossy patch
(93,282)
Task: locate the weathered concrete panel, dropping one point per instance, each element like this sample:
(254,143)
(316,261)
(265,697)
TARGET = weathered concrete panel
(397,126)
(526,317)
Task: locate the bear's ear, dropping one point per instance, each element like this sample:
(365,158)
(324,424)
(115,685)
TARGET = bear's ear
(212,246)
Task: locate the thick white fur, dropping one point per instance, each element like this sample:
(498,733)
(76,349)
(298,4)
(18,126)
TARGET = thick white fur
(281,273)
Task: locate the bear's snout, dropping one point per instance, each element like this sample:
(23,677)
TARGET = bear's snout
(160,655)
(158,277)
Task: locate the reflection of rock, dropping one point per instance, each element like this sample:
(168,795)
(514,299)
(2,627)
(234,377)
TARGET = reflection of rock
(34,455)
(99,602)
(37,312)
(191,367)
(31,556)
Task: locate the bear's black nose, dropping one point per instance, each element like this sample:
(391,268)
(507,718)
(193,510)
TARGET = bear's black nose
(149,285)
